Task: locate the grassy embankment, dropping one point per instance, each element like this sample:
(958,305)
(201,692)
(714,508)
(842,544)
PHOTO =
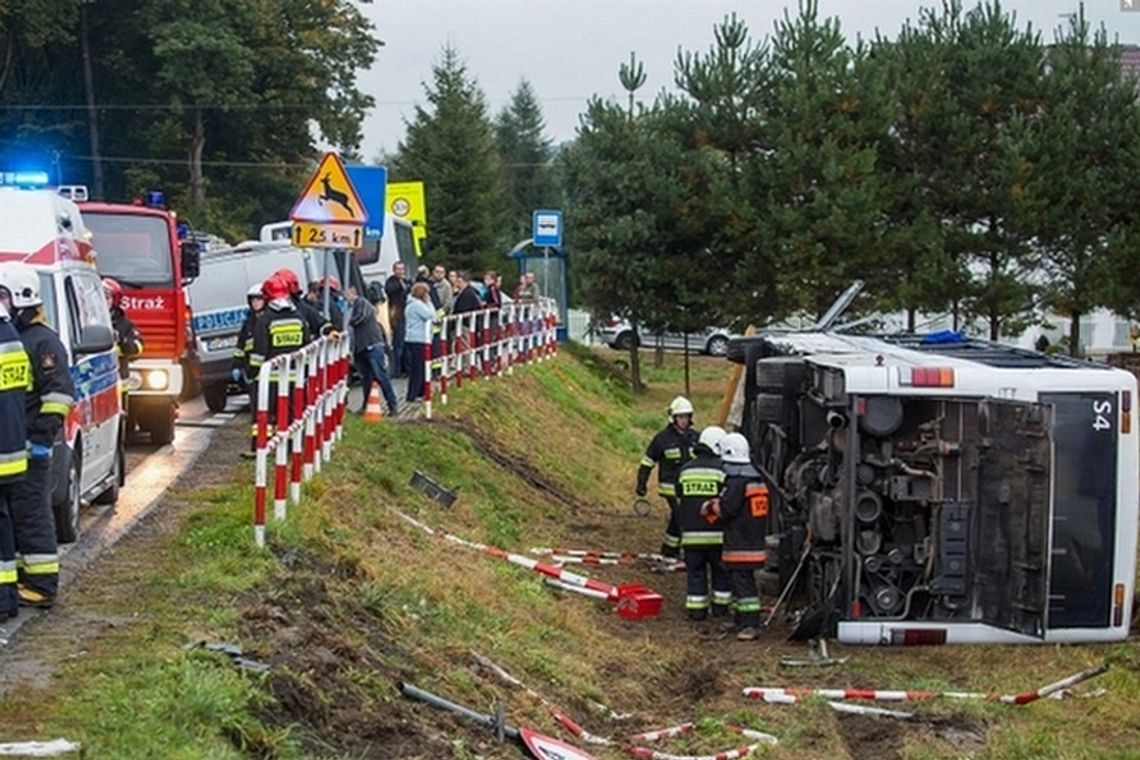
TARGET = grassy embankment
(350,600)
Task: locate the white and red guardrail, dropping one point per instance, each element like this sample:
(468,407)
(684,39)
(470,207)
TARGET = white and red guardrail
(309,396)
(487,343)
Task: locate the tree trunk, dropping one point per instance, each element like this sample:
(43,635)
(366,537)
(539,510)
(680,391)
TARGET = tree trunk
(995,312)
(1075,333)
(197,145)
(92,114)
(910,317)
(659,353)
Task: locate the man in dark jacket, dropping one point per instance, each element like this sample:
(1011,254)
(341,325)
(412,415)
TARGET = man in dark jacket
(315,323)
(668,451)
(467,300)
(369,349)
(396,289)
(128,341)
(743,511)
(48,402)
(697,482)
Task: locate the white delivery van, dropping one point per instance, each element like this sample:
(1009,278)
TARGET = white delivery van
(46,231)
(218,300)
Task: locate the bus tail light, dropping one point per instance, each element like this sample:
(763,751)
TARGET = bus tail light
(1118,605)
(918,637)
(927,377)
(1126,412)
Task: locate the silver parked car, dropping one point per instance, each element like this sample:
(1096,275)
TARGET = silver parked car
(618,334)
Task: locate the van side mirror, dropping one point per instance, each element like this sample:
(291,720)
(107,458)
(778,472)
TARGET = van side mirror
(375,292)
(191,259)
(95,339)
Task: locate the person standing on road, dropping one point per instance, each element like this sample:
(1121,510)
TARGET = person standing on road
(47,405)
(128,342)
(443,287)
(466,330)
(668,451)
(240,371)
(15,379)
(369,350)
(419,315)
(701,537)
(396,289)
(743,511)
(281,329)
(315,323)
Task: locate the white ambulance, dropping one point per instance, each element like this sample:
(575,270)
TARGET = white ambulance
(46,231)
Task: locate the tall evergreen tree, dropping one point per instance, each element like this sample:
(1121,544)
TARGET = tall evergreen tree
(450,145)
(1081,167)
(991,73)
(524,150)
(824,194)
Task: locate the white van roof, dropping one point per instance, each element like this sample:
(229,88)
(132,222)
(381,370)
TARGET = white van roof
(42,228)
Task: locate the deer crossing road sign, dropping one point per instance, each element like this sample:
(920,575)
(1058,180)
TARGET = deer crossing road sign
(329,196)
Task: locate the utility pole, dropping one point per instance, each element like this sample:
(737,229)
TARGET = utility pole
(92,114)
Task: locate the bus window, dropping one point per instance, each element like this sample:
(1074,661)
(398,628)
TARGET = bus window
(133,249)
(406,247)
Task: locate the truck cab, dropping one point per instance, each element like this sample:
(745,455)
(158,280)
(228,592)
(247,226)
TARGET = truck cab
(140,247)
(45,231)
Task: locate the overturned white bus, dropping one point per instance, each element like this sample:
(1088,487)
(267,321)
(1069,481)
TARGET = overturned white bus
(939,489)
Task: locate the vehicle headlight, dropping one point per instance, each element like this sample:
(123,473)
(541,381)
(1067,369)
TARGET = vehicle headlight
(134,381)
(157,379)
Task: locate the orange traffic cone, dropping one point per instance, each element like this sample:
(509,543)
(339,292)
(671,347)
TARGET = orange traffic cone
(373,412)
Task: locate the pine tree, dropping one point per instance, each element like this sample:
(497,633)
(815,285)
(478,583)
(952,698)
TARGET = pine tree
(1081,168)
(450,145)
(823,195)
(525,153)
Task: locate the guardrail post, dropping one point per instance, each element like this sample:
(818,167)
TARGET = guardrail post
(260,483)
(445,357)
(427,369)
(280,437)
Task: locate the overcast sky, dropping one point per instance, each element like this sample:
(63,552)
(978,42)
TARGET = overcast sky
(571,49)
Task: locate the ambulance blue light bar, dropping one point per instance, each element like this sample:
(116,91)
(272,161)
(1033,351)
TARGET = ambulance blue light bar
(24,179)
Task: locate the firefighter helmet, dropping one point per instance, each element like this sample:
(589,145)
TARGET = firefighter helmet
(734,449)
(334,283)
(22,282)
(679,406)
(256,291)
(290,278)
(275,288)
(113,290)
(711,437)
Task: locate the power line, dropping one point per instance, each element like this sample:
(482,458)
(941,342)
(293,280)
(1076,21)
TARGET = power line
(233,106)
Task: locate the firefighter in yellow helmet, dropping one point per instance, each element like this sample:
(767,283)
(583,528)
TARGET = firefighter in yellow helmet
(671,448)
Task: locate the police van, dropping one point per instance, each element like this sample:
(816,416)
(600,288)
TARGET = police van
(46,231)
(930,489)
(218,301)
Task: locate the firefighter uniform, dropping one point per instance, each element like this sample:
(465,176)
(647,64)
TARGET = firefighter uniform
(128,341)
(15,379)
(47,406)
(280,329)
(668,451)
(698,482)
(315,323)
(743,508)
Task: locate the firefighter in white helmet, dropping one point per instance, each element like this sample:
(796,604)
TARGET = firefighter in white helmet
(699,481)
(668,451)
(48,402)
(743,511)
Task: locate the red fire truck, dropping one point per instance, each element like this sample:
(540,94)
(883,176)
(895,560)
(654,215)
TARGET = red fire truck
(140,247)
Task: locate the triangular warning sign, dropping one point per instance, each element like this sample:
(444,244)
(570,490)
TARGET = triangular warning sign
(329,196)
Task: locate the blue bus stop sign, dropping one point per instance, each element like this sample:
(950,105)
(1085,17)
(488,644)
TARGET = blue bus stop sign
(370,183)
(546,228)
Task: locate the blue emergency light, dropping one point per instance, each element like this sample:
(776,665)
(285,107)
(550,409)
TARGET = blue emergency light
(155,199)
(26,180)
